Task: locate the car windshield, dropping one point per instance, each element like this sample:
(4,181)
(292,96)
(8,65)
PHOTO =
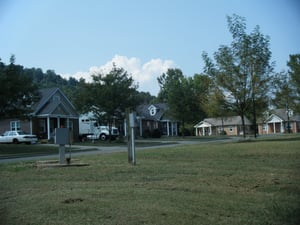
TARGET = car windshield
(5,133)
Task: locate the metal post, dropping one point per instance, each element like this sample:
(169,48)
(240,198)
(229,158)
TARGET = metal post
(132,146)
(62,158)
(128,134)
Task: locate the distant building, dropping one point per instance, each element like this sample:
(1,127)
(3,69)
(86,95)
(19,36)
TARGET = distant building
(214,126)
(279,121)
(154,116)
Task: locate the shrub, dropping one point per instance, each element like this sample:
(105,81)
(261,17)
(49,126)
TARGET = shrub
(156,133)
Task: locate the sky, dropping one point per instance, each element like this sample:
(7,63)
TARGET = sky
(145,37)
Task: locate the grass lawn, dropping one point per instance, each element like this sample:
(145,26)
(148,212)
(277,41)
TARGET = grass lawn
(23,150)
(255,182)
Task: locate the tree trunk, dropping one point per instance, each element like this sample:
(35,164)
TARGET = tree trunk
(243,125)
(254,116)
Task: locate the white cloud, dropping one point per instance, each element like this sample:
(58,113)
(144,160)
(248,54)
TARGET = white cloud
(144,74)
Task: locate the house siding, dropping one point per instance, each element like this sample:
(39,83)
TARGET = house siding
(52,111)
(6,123)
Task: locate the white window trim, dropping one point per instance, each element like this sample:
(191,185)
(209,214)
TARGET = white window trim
(15,125)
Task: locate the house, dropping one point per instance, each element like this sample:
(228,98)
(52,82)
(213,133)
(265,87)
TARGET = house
(154,116)
(230,125)
(279,121)
(53,110)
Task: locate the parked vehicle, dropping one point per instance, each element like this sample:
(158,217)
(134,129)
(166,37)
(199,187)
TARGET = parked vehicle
(90,129)
(17,137)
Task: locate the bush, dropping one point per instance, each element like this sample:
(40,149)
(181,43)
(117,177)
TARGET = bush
(146,133)
(185,132)
(156,133)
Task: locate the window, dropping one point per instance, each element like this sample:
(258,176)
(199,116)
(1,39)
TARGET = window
(15,125)
(264,127)
(56,98)
(152,110)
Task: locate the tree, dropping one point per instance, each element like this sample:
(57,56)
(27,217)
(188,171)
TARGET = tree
(17,93)
(109,95)
(294,72)
(284,94)
(242,70)
(180,93)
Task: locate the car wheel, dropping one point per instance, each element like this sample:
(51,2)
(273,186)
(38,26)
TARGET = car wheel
(15,141)
(102,137)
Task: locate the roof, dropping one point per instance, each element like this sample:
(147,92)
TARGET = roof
(46,105)
(223,121)
(282,114)
(158,112)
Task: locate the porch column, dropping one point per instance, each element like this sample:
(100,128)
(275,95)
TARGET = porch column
(48,127)
(30,125)
(281,127)
(168,132)
(203,131)
(58,122)
(172,127)
(274,128)
(210,130)
(141,127)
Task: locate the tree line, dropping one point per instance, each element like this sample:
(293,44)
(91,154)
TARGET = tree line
(238,80)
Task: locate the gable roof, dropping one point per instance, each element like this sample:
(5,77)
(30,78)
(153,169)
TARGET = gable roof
(225,121)
(46,105)
(282,114)
(144,111)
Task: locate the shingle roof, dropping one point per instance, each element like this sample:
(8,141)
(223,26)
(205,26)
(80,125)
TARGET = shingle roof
(282,113)
(45,106)
(143,111)
(45,94)
(227,121)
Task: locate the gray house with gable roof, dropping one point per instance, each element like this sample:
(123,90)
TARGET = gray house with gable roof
(53,110)
(154,116)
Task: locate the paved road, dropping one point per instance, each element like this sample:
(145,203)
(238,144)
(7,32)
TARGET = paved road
(93,150)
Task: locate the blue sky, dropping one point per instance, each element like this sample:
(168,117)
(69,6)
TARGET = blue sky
(76,37)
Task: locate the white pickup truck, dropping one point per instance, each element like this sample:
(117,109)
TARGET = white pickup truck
(89,128)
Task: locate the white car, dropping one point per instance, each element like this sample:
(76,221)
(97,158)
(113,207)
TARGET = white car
(17,137)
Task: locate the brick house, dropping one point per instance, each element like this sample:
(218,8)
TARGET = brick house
(154,116)
(278,121)
(53,110)
(214,126)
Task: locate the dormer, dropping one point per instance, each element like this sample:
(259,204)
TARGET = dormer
(152,110)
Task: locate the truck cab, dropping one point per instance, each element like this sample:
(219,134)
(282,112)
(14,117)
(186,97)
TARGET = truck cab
(90,129)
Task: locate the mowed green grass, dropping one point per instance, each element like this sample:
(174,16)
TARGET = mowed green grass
(232,183)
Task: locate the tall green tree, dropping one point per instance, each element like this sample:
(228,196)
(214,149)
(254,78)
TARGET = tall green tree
(108,95)
(181,95)
(294,72)
(17,92)
(242,70)
(284,93)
